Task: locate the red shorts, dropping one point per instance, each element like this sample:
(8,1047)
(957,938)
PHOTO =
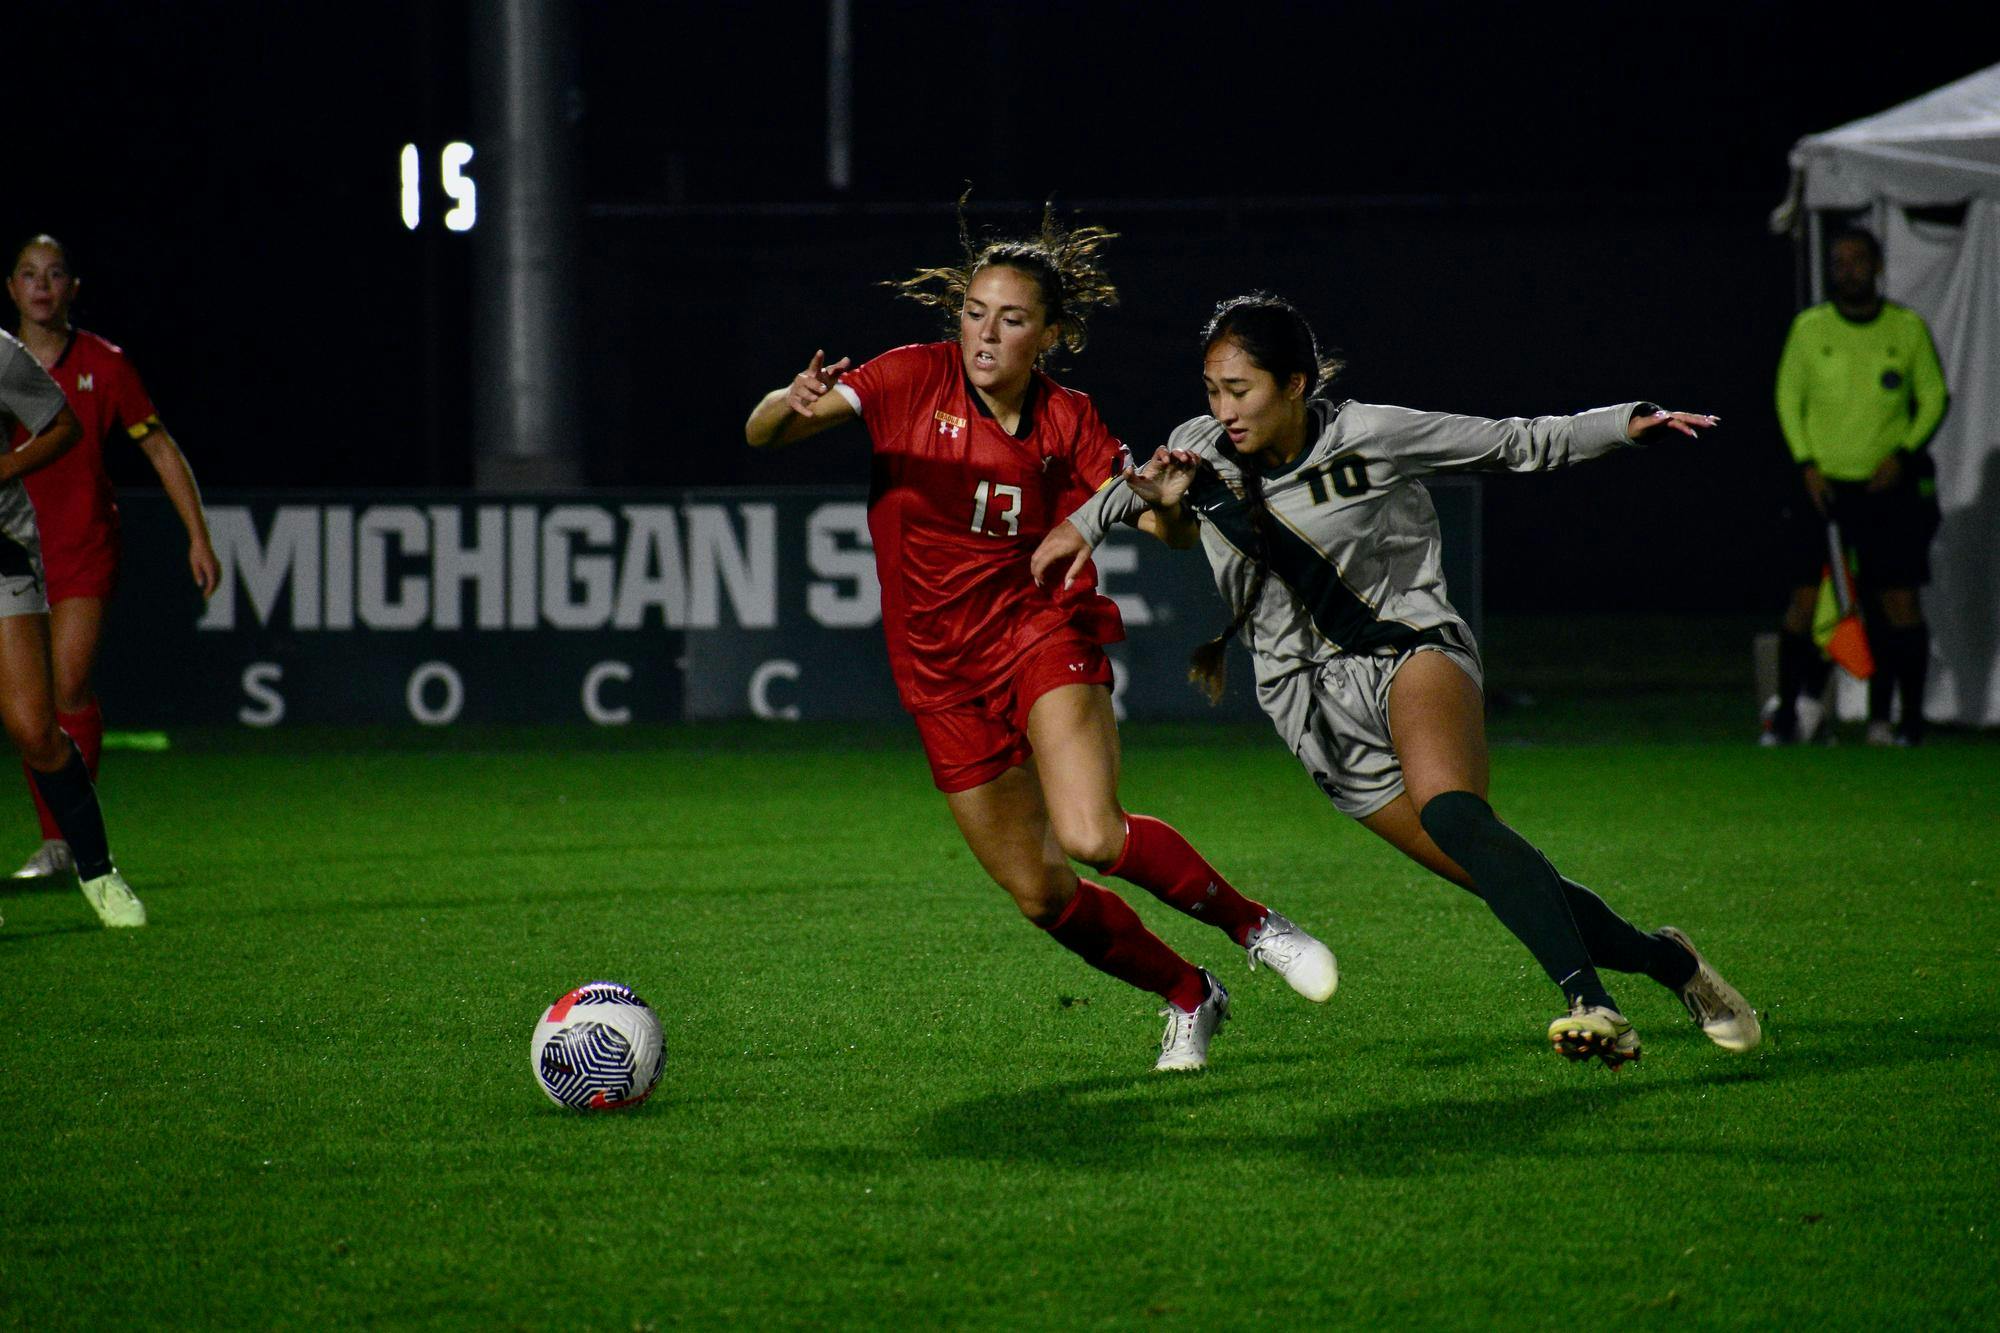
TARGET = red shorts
(99,583)
(972,743)
(89,572)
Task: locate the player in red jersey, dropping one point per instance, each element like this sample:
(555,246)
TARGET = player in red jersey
(977,454)
(74,506)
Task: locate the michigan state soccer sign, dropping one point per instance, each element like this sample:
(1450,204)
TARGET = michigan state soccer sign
(432,609)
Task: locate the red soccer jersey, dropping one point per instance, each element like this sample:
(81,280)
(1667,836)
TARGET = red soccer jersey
(73,504)
(957,506)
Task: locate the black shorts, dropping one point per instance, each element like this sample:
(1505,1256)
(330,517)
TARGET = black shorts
(1889,532)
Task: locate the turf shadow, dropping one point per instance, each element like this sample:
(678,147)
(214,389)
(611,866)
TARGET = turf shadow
(17,935)
(1114,1123)
(1461,1133)
(1111,1123)
(47,884)
(1466,1134)
(1090,1123)
(1839,1045)
(146,887)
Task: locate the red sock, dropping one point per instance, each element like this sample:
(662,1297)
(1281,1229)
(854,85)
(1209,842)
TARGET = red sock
(86,727)
(1162,862)
(1102,929)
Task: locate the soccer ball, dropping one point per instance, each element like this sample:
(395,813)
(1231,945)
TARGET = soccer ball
(598,1048)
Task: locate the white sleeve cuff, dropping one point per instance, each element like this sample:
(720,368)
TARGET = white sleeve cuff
(853,398)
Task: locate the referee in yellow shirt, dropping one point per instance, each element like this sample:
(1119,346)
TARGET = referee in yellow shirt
(1860,393)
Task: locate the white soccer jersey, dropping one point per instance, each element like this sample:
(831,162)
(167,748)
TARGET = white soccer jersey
(27,396)
(1350,536)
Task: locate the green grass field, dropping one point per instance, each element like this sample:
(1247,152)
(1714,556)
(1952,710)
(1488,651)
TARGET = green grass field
(301,1098)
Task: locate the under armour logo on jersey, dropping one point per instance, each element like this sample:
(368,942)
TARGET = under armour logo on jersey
(85,383)
(949,424)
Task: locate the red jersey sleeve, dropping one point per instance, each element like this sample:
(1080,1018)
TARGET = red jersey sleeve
(131,406)
(887,387)
(1093,455)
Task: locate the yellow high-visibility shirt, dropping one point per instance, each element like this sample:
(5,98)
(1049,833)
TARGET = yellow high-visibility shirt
(1849,394)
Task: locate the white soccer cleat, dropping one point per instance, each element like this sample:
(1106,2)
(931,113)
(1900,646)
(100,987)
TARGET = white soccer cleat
(1305,964)
(1591,1031)
(1811,714)
(1716,1006)
(113,900)
(1768,734)
(50,861)
(1184,1045)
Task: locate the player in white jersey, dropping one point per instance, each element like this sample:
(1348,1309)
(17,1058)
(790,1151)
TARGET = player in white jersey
(1327,547)
(28,397)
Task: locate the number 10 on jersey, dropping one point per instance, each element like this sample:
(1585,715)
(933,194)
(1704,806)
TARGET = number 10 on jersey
(1009,500)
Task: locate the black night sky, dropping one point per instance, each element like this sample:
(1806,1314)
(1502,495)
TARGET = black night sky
(1496,209)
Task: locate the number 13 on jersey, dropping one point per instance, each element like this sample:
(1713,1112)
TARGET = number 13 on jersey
(1007,500)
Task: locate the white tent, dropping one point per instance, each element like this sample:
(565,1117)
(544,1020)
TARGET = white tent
(1935,153)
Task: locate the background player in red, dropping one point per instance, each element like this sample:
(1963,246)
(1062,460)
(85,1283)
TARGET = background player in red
(977,454)
(74,506)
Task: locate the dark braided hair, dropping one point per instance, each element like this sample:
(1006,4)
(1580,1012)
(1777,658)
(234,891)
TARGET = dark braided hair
(1276,338)
(1208,667)
(1061,261)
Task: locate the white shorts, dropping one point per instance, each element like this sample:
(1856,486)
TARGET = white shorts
(23,588)
(1335,719)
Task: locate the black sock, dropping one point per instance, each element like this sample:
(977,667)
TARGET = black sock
(1621,946)
(1802,673)
(1521,887)
(1818,669)
(72,801)
(1801,669)
(1909,654)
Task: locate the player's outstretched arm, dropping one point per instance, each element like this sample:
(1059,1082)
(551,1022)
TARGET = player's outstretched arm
(44,449)
(1419,443)
(801,409)
(1159,485)
(177,480)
